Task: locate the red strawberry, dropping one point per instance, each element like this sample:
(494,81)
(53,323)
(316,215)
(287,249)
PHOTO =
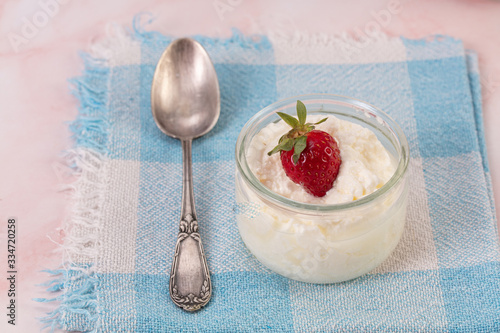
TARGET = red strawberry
(310,158)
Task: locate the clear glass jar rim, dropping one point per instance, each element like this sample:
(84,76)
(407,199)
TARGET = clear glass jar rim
(268,195)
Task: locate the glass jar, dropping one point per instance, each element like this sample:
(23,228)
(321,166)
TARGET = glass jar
(323,243)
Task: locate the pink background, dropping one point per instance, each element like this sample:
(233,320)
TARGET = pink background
(35,103)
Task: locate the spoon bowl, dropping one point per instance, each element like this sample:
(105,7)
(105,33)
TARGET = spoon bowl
(185,96)
(185,102)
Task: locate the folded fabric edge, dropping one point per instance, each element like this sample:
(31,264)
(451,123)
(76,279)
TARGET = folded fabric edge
(76,282)
(475,83)
(366,43)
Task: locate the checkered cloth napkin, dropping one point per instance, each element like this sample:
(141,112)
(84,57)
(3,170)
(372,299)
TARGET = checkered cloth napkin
(443,277)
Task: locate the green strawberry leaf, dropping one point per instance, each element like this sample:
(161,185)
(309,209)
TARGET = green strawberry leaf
(289,119)
(300,145)
(321,121)
(301,112)
(286,144)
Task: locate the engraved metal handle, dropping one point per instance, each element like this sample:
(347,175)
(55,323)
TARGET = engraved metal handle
(190,285)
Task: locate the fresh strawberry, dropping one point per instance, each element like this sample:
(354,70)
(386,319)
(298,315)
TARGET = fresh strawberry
(310,158)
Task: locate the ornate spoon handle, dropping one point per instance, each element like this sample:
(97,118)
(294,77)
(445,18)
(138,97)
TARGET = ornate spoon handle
(190,285)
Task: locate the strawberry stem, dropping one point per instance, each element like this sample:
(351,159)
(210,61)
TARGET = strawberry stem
(296,138)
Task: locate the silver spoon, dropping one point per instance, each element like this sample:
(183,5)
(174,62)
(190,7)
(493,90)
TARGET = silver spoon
(185,102)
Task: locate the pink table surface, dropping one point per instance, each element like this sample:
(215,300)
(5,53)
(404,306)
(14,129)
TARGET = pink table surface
(35,103)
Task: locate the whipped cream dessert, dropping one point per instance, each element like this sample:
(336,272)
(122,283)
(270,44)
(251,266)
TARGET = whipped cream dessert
(366,164)
(322,246)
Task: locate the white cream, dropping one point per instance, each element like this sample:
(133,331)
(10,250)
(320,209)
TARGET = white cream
(366,164)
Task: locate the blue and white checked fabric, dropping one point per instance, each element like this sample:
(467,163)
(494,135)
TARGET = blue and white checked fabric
(443,277)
